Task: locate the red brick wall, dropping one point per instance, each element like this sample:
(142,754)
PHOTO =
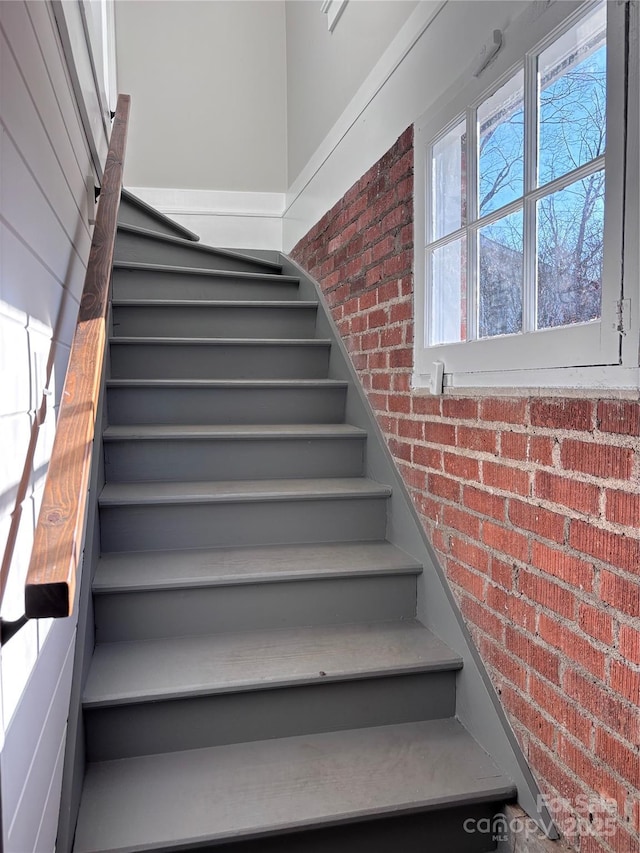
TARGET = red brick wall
(531,502)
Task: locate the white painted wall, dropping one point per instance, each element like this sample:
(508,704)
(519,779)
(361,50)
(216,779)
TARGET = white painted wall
(208,88)
(436,46)
(230,99)
(45,158)
(325,69)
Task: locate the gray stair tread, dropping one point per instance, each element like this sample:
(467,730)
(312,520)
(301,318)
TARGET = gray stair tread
(118,494)
(254,789)
(165,668)
(232,431)
(151,211)
(224,566)
(239,274)
(213,303)
(241,342)
(226,383)
(199,247)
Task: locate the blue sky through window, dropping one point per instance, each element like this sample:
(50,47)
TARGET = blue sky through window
(572,116)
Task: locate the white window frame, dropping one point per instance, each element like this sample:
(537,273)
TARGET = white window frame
(597,354)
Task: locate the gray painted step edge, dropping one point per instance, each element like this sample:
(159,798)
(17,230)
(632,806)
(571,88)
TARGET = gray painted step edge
(177,229)
(232,432)
(178,667)
(198,247)
(155,494)
(257,789)
(212,342)
(237,274)
(137,571)
(212,303)
(226,383)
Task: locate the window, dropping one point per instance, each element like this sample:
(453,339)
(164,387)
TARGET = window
(522,206)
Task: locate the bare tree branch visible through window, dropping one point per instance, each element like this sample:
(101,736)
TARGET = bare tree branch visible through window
(572,132)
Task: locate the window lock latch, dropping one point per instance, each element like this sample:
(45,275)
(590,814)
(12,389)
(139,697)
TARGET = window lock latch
(623,316)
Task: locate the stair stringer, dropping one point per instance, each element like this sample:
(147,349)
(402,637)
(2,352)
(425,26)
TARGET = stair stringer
(478,706)
(74,763)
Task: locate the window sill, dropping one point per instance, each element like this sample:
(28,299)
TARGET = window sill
(594,381)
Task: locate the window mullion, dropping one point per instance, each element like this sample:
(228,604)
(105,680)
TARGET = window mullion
(448,238)
(569,178)
(500,213)
(472,215)
(531,136)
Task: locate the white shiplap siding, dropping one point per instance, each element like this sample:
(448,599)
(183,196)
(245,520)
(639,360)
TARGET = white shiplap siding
(44,242)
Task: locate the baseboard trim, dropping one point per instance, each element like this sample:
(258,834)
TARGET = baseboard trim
(188,202)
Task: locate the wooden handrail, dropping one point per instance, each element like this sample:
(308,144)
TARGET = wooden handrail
(51,577)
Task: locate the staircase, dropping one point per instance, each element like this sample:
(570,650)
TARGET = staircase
(260,681)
